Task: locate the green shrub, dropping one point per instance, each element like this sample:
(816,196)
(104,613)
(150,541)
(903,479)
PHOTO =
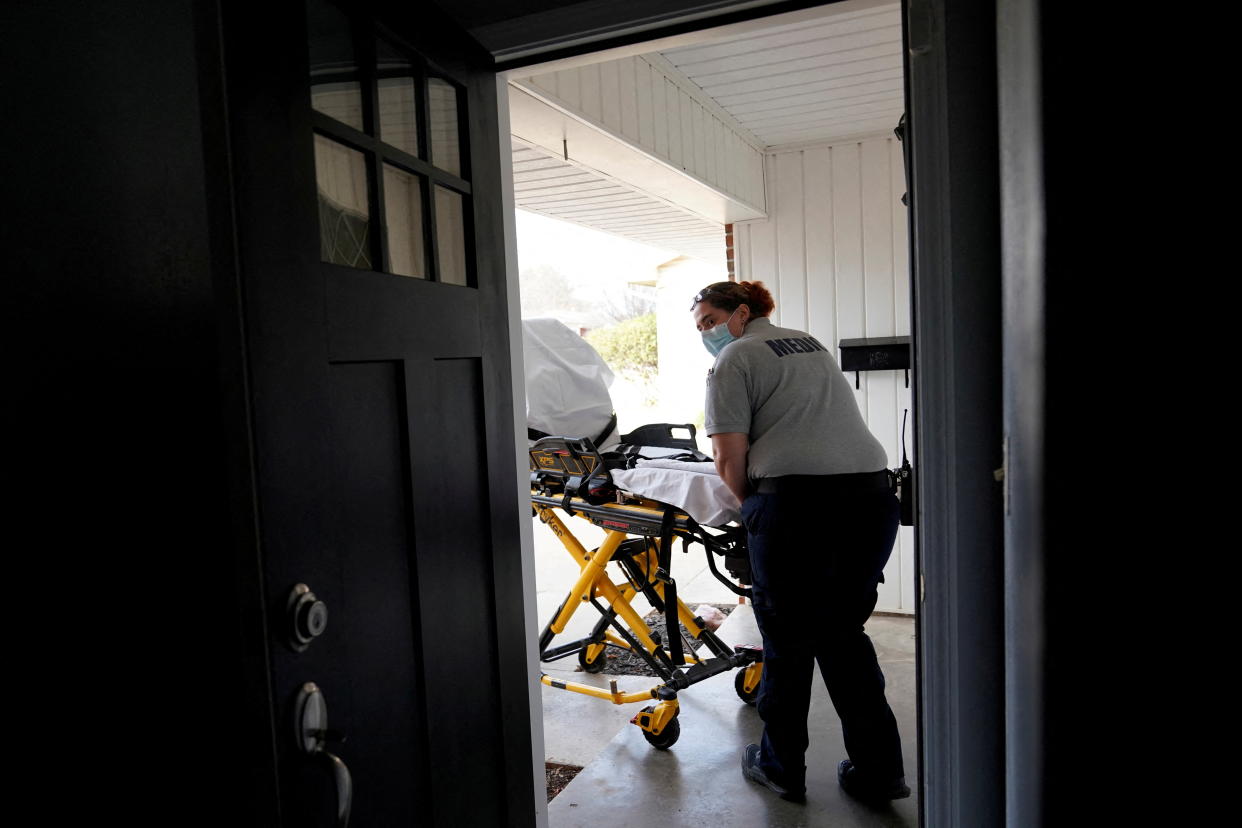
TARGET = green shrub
(628,346)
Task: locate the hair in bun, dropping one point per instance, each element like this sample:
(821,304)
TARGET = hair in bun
(759,298)
(731,295)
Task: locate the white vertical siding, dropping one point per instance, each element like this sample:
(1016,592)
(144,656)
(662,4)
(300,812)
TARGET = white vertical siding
(790,239)
(833,251)
(610,96)
(821,264)
(592,101)
(645,100)
(672,114)
(630,96)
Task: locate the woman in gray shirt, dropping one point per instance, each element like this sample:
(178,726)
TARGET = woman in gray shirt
(821,519)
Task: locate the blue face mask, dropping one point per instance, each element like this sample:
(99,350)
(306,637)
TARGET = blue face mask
(714,339)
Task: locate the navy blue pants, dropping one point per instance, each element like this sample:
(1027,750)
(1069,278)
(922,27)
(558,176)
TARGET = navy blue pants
(816,560)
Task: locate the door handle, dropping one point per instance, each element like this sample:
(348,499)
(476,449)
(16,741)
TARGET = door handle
(312,734)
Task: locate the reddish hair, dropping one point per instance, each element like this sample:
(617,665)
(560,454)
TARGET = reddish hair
(758,298)
(729,296)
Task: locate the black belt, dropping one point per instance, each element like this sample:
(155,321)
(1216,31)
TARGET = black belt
(826,483)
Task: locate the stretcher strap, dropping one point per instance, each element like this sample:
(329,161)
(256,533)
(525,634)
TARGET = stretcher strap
(664,573)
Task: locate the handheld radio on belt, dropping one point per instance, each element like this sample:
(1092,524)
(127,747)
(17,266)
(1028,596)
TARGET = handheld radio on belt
(904,478)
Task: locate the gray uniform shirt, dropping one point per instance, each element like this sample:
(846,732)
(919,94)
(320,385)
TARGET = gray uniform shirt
(785,390)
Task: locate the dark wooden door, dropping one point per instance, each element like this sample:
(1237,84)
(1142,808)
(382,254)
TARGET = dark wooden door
(367,203)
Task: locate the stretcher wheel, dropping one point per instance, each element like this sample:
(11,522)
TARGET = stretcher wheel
(596,666)
(667,738)
(739,684)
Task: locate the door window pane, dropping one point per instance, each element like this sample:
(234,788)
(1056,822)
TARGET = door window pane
(398,98)
(403,213)
(344,217)
(335,90)
(342,101)
(451,236)
(399,114)
(445,142)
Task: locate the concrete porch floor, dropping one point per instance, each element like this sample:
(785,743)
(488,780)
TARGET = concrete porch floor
(698,782)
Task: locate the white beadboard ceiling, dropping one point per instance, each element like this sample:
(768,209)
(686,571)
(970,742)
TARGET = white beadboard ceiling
(544,183)
(833,78)
(803,79)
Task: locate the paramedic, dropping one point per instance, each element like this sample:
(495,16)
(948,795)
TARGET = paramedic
(821,519)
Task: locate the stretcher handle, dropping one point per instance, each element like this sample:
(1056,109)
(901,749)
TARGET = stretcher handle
(744,592)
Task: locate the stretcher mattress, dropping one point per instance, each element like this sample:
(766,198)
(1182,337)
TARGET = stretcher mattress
(694,487)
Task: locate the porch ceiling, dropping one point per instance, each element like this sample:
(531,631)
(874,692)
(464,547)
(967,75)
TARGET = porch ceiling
(544,183)
(833,78)
(810,77)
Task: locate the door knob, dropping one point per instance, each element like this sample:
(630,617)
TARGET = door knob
(308,617)
(312,735)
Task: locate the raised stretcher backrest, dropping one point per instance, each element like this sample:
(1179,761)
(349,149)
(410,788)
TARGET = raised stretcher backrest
(663,435)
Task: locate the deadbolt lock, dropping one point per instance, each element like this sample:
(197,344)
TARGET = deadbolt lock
(308,617)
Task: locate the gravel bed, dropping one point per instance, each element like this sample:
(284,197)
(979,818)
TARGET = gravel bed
(558,776)
(625,663)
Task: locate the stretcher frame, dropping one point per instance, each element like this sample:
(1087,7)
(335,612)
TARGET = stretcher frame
(570,475)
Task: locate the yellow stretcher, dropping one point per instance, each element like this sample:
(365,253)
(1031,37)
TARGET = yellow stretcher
(572,476)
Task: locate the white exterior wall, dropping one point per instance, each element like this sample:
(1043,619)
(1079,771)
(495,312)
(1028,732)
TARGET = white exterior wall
(833,251)
(648,103)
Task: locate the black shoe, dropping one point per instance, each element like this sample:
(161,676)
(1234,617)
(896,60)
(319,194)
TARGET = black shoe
(867,792)
(752,771)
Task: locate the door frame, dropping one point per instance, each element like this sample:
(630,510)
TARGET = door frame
(521,460)
(1023,228)
(956,301)
(963,640)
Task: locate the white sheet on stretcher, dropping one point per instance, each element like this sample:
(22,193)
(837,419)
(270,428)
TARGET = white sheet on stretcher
(566,382)
(694,487)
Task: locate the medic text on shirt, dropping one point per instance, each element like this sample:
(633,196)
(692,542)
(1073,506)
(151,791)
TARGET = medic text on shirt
(804,345)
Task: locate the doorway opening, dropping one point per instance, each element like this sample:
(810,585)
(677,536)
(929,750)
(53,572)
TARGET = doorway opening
(758,151)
